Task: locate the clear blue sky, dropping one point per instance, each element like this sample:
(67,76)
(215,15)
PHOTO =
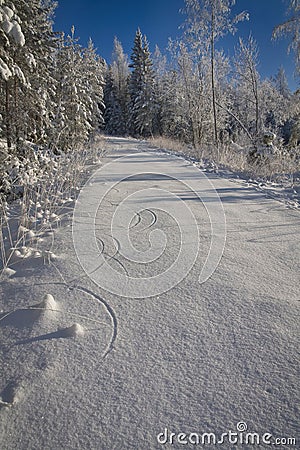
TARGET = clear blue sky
(159,19)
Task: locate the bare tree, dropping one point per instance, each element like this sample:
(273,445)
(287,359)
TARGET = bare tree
(207,21)
(291,28)
(248,79)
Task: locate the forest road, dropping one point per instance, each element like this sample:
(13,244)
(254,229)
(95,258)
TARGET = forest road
(208,272)
(198,278)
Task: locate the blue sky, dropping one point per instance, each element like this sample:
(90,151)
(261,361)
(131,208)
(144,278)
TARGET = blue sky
(159,19)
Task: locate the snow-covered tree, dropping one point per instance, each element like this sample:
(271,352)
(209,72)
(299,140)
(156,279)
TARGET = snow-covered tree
(93,70)
(207,21)
(291,28)
(12,41)
(194,81)
(26,61)
(175,120)
(281,83)
(112,108)
(79,93)
(36,101)
(248,85)
(160,70)
(142,95)
(117,92)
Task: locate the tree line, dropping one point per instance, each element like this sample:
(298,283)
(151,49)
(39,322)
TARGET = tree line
(197,94)
(57,94)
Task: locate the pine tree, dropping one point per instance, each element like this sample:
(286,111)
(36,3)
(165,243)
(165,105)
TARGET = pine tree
(12,41)
(37,101)
(160,73)
(69,116)
(113,113)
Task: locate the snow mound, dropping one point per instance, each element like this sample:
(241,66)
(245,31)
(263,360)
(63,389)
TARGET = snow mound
(30,234)
(18,254)
(26,252)
(8,272)
(75,330)
(47,303)
(49,256)
(23,229)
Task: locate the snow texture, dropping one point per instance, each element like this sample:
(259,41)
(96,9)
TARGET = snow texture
(198,358)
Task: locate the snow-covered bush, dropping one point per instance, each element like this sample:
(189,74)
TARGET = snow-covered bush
(34,188)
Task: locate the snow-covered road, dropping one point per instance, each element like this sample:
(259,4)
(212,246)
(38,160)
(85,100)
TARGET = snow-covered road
(169,355)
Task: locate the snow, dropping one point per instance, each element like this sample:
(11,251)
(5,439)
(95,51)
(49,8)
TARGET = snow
(4,70)
(11,26)
(17,34)
(83,368)
(9,272)
(8,12)
(75,330)
(32,64)
(19,73)
(48,302)
(6,26)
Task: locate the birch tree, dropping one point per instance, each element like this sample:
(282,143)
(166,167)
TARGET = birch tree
(207,22)
(248,82)
(291,29)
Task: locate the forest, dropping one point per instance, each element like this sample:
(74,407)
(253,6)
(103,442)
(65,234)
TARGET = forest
(57,96)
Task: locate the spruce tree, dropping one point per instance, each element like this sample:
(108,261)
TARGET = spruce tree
(93,69)
(26,52)
(79,93)
(112,114)
(117,93)
(142,98)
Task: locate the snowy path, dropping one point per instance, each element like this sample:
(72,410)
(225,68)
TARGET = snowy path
(198,358)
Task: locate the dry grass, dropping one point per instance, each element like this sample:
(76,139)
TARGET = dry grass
(279,167)
(42,203)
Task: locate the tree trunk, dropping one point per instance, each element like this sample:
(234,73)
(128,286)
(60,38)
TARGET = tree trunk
(7,116)
(213,89)
(256,109)
(191,112)
(16,121)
